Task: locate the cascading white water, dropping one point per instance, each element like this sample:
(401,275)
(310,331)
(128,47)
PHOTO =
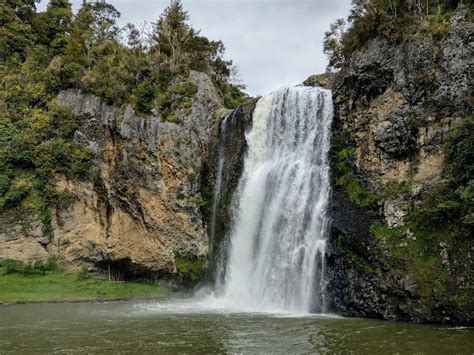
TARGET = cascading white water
(278,241)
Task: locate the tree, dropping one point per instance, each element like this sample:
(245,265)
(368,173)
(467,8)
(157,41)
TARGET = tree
(53,25)
(94,25)
(171,32)
(332,45)
(16,35)
(104,25)
(133,37)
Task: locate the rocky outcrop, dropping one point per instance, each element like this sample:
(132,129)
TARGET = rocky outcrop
(395,105)
(325,80)
(140,206)
(225,163)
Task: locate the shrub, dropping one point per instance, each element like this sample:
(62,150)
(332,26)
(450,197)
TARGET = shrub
(83,274)
(233,97)
(143,97)
(10,266)
(459,150)
(177,97)
(381,231)
(4,183)
(190,267)
(14,195)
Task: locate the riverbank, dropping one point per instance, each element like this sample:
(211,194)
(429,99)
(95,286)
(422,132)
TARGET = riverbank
(37,285)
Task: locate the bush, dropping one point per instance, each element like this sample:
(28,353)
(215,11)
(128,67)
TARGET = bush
(393,19)
(459,150)
(10,266)
(233,97)
(4,183)
(449,204)
(176,97)
(381,231)
(190,267)
(83,273)
(46,52)
(143,97)
(14,195)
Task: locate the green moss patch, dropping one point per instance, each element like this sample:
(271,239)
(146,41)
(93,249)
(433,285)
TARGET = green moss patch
(190,267)
(344,177)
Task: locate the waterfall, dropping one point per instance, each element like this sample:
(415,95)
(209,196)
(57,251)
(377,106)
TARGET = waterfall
(218,261)
(278,240)
(217,186)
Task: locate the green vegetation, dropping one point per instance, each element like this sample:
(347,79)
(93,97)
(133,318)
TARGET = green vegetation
(42,53)
(435,243)
(9,266)
(383,232)
(396,20)
(450,202)
(179,96)
(190,267)
(345,177)
(394,189)
(43,282)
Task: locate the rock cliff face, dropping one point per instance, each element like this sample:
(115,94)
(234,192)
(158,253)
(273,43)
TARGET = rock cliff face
(222,173)
(147,204)
(395,105)
(140,207)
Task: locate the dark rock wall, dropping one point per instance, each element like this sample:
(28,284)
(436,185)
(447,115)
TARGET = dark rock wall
(228,143)
(395,104)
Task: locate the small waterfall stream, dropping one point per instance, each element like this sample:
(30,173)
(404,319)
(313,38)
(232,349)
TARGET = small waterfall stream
(217,187)
(278,240)
(218,260)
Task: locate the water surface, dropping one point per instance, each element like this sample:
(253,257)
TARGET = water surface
(184,327)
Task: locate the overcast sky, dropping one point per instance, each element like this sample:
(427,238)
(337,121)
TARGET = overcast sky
(272,42)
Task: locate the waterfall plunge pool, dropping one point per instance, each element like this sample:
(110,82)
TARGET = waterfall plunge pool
(186,326)
(274,277)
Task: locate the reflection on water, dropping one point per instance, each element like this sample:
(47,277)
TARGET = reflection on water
(188,327)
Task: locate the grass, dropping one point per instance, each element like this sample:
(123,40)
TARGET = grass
(55,286)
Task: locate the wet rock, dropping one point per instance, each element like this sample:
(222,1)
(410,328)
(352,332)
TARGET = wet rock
(229,144)
(410,285)
(395,104)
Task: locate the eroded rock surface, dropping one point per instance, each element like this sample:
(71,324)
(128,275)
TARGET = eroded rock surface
(395,105)
(141,203)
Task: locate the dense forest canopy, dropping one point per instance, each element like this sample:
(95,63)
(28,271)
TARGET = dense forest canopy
(42,53)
